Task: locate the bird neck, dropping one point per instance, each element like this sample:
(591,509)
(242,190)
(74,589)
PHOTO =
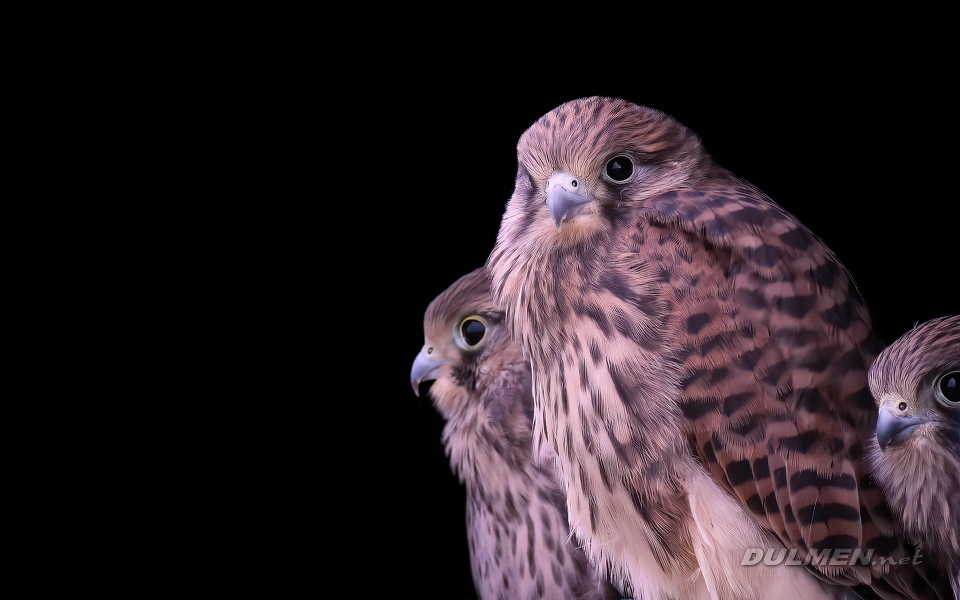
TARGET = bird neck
(486,443)
(924,485)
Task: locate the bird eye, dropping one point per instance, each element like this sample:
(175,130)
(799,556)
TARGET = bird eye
(472,331)
(948,389)
(619,168)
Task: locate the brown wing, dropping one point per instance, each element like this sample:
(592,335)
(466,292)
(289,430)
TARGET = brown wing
(775,343)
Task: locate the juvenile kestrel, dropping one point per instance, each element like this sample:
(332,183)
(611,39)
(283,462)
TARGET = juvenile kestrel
(520,545)
(916,453)
(699,363)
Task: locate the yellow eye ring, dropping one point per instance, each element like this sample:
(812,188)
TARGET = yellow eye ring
(947,389)
(619,169)
(471,332)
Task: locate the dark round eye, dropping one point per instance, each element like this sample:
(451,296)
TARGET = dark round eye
(472,331)
(902,406)
(949,387)
(619,168)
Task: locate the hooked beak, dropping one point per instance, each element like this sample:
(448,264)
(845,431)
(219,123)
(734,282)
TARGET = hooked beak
(425,368)
(562,201)
(893,429)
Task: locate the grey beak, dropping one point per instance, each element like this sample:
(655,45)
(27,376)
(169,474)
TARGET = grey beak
(425,368)
(564,204)
(893,429)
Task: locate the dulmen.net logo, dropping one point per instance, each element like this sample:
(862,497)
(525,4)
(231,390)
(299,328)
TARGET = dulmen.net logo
(827,557)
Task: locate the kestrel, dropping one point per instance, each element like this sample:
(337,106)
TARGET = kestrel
(520,545)
(699,363)
(916,453)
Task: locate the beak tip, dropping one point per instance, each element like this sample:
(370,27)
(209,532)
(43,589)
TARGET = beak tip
(554,215)
(882,442)
(562,203)
(893,429)
(425,368)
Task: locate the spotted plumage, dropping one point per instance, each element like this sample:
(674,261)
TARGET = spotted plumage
(520,546)
(916,453)
(699,364)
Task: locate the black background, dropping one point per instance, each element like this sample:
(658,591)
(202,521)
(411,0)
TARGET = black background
(859,146)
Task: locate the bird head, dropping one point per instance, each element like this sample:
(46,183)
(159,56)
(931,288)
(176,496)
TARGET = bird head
(465,344)
(586,159)
(916,382)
